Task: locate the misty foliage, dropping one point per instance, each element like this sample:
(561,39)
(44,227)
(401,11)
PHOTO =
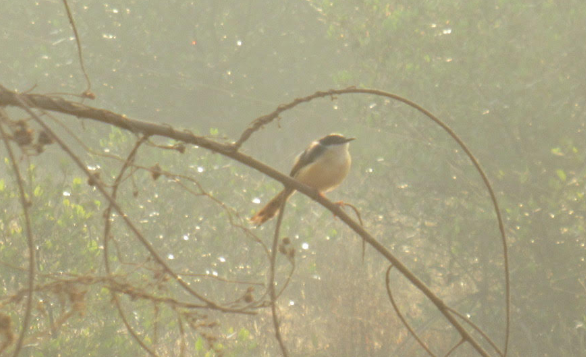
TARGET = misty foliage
(507,76)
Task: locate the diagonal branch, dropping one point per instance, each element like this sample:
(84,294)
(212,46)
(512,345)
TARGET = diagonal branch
(24,105)
(272,292)
(87,92)
(401,317)
(149,129)
(107,229)
(266,119)
(29,235)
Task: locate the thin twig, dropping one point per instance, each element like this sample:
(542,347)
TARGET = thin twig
(398,312)
(455,347)
(183,344)
(29,235)
(287,281)
(137,126)
(119,210)
(359,216)
(467,320)
(111,283)
(107,228)
(264,120)
(156,322)
(87,93)
(272,292)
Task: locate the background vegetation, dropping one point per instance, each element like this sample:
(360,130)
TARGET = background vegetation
(507,76)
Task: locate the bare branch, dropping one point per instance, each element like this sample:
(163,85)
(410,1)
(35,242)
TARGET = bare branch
(87,93)
(149,129)
(107,226)
(398,312)
(264,120)
(455,347)
(29,234)
(478,329)
(118,209)
(272,292)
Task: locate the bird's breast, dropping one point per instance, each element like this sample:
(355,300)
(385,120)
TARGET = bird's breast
(328,171)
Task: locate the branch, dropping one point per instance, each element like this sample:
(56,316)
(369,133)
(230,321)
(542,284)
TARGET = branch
(266,119)
(272,292)
(87,93)
(107,228)
(231,151)
(398,312)
(26,106)
(29,235)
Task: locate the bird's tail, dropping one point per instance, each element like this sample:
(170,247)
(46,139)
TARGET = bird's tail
(271,208)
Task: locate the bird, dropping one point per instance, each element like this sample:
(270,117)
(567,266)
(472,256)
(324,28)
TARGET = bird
(323,165)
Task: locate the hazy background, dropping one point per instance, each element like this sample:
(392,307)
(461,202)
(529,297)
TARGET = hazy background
(508,76)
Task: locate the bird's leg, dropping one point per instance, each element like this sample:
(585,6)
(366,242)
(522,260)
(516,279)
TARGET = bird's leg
(339,203)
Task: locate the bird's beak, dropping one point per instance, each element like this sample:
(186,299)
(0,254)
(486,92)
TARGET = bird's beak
(350,139)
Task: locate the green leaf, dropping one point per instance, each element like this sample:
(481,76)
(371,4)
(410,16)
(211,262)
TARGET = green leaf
(243,334)
(561,174)
(2,185)
(80,210)
(93,246)
(199,344)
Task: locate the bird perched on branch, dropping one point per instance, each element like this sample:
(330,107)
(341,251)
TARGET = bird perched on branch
(323,166)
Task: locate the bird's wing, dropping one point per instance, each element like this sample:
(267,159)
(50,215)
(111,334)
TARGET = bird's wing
(307,157)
